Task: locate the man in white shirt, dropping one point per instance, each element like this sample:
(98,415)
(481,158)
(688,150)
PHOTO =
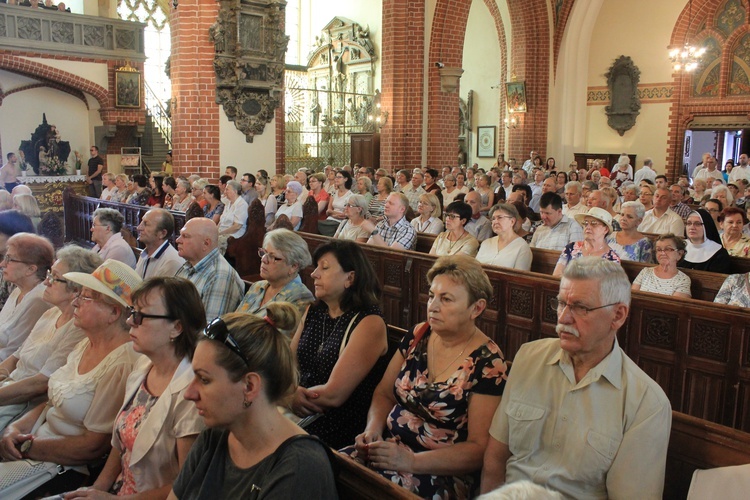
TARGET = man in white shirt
(741,170)
(710,170)
(573,198)
(414,190)
(529,164)
(646,172)
(660,219)
(158,258)
(577,414)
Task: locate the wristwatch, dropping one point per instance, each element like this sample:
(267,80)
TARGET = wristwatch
(375,232)
(26,447)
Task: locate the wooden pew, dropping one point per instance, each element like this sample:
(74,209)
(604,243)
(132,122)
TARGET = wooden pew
(357,482)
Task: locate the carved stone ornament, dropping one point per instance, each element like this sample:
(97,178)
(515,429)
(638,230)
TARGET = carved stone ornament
(622,80)
(249,62)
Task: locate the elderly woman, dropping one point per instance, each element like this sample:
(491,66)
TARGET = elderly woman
(507,249)
(156,425)
(27,205)
(120,191)
(142,192)
(428,221)
(268,201)
(451,191)
(429,420)
(646,197)
(85,394)
(320,195)
(233,221)
(27,259)
(597,224)
(622,171)
(736,243)
(665,278)
(25,373)
(182,198)
(356,213)
(699,190)
(628,242)
(377,204)
(197,192)
(214,207)
(364,187)
(341,345)
(292,206)
(243,370)
(456,239)
(723,194)
(629,192)
(105,232)
(704,250)
(283,256)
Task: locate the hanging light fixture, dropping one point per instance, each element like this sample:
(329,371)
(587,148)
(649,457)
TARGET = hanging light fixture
(688,57)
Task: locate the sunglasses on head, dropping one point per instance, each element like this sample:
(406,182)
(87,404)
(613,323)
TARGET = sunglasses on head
(217,330)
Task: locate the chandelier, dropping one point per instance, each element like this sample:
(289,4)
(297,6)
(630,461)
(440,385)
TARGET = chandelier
(688,57)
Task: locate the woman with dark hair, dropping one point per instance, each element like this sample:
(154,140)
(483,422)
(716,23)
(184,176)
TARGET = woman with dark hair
(562,179)
(733,239)
(244,369)
(341,345)
(142,193)
(704,250)
(156,426)
(157,192)
(665,278)
(169,189)
(456,239)
(214,207)
(343,183)
(431,185)
(550,165)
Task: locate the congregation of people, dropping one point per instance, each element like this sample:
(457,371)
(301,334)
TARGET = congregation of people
(161,373)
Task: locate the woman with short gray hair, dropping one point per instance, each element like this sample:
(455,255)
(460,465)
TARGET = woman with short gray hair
(283,256)
(105,232)
(628,242)
(356,211)
(24,374)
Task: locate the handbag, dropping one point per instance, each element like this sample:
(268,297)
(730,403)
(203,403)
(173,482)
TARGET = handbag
(21,477)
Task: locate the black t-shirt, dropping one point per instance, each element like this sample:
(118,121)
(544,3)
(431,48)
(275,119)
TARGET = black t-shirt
(93,165)
(299,468)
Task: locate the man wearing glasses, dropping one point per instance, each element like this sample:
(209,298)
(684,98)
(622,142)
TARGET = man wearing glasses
(577,414)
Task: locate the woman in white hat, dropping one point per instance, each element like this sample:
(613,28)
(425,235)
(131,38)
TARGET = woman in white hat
(84,395)
(597,224)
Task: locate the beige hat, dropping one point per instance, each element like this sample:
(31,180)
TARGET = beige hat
(112,279)
(596,213)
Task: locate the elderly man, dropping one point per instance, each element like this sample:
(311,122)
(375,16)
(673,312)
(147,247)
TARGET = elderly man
(479,226)
(557,230)
(599,199)
(158,258)
(577,414)
(394,230)
(414,190)
(676,194)
(708,172)
(573,198)
(301,177)
(646,172)
(660,219)
(105,232)
(220,286)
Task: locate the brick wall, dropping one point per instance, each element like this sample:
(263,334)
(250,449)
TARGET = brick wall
(195,114)
(402,68)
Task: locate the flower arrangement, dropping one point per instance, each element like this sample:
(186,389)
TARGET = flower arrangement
(53,167)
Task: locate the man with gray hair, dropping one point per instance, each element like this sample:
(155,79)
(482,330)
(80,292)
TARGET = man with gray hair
(105,232)
(646,172)
(577,414)
(574,204)
(158,258)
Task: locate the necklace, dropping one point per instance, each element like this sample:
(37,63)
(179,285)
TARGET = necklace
(451,245)
(434,377)
(326,335)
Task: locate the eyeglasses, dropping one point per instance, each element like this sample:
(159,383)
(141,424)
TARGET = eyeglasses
(8,259)
(575,309)
(349,205)
(52,279)
(713,210)
(665,250)
(217,330)
(263,254)
(452,216)
(693,224)
(501,217)
(83,298)
(592,223)
(138,316)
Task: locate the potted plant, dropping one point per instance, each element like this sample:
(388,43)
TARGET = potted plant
(78,162)
(22,163)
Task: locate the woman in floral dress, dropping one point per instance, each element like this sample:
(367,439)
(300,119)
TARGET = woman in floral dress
(418,432)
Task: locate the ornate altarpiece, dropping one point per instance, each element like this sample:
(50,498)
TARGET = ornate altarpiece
(249,63)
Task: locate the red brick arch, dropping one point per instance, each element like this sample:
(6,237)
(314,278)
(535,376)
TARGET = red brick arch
(53,85)
(43,72)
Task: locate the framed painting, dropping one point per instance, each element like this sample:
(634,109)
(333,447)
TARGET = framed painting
(127,89)
(516,97)
(486,141)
